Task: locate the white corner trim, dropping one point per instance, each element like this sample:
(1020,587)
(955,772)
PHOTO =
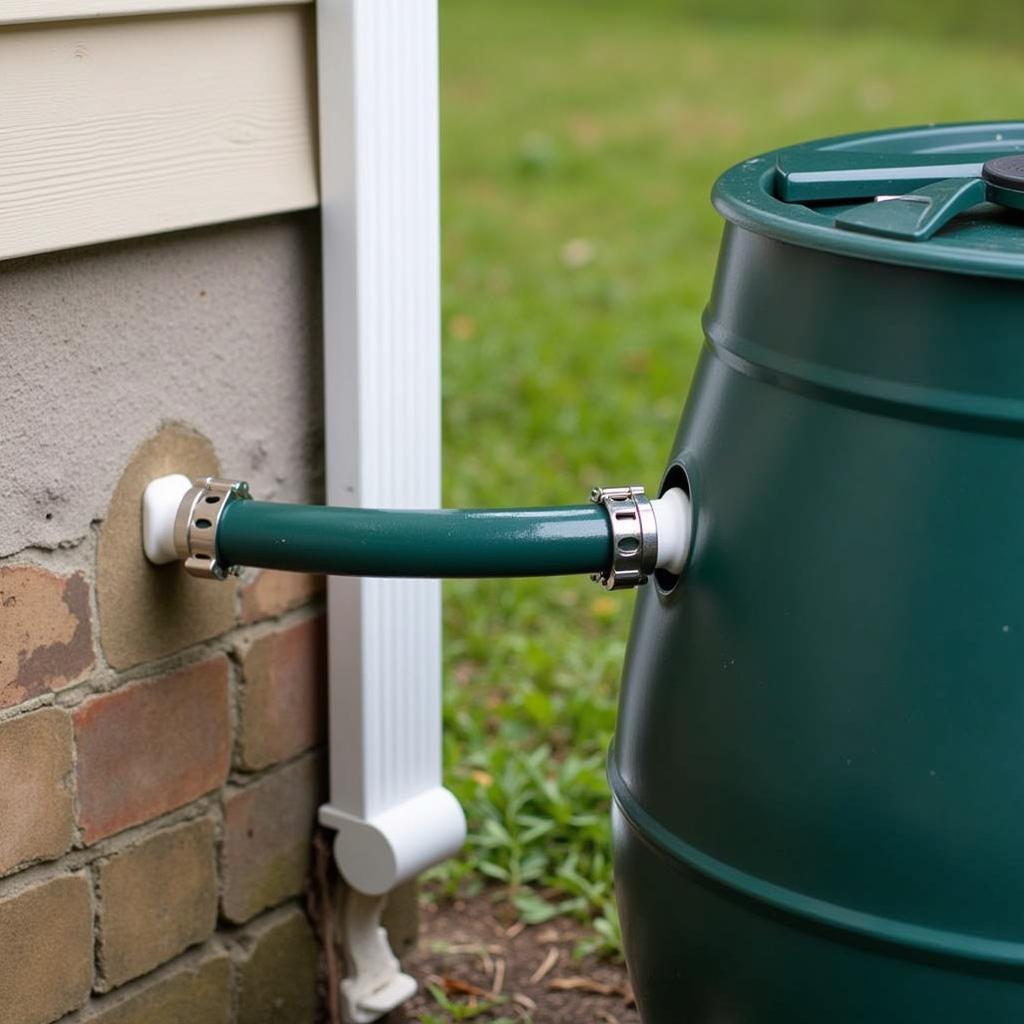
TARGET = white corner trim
(116,128)
(377,64)
(19,12)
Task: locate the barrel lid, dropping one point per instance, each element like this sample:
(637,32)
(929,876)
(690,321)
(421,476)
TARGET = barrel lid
(948,197)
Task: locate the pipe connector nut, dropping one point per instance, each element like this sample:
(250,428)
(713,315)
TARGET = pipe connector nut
(634,530)
(195,526)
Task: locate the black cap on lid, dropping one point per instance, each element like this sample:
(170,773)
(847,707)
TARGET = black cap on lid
(1005,172)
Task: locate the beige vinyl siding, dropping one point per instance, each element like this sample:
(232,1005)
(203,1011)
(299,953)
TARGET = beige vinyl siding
(15,11)
(119,127)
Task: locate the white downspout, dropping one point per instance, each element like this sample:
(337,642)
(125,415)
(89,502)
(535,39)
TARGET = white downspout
(379,194)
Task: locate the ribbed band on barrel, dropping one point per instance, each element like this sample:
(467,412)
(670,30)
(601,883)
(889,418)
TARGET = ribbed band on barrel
(195,527)
(634,536)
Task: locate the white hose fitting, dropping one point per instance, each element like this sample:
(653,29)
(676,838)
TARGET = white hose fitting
(674,515)
(160,503)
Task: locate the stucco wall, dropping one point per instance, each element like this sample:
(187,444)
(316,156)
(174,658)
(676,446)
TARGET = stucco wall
(217,328)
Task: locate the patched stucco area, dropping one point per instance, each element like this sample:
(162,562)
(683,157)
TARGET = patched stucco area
(215,328)
(131,593)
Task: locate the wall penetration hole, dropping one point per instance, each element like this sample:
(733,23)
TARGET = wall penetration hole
(203,524)
(211,499)
(675,477)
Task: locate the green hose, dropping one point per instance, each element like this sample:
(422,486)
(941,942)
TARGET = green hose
(434,543)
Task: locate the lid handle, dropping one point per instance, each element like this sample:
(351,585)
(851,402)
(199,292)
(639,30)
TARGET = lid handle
(917,215)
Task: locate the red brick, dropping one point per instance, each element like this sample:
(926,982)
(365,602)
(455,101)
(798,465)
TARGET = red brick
(272,593)
(268,827)
(35,796)
(46,951)
(284,700)
(152,746)
(156,900)
(193,992)
(278,976)
(45,632)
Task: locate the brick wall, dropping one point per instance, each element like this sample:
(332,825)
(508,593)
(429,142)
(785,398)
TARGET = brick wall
(155,822)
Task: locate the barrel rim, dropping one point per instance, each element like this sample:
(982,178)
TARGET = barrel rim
(744,195)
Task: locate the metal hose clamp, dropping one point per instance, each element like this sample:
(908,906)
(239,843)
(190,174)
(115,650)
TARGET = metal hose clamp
(634,536)
(195,527)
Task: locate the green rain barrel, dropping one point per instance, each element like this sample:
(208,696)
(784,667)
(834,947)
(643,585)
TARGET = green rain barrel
(818,773)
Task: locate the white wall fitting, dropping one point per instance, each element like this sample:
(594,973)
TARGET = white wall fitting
(380,210)
(118,127)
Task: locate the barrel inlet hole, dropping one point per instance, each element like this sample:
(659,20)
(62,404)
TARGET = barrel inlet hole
(203,524)
(211,499)
(675,477)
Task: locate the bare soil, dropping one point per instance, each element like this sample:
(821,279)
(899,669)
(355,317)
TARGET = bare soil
(480,959)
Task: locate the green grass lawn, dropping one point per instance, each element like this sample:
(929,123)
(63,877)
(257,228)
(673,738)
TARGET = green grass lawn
(580,142)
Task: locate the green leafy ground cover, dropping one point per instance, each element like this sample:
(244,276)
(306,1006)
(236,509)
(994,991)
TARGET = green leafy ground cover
(580,142)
